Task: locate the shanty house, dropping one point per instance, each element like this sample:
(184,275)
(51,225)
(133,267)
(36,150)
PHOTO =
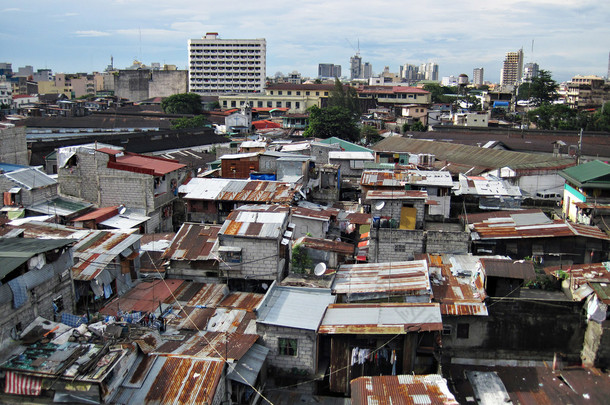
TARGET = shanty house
(586,187)
(212,200)
(253,245)
(107,176)
(193,253)
(35,281)
(288,319)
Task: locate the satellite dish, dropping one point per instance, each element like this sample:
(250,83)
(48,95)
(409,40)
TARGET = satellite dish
(122,209)
(379,206)
(319,269)
(265,286)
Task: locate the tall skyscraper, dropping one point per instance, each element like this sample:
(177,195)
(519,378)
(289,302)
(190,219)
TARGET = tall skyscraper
(512,69)
(429,71)
(478,76)
(219,66)
(367,70)
(530,70)
(329,70)
(409,72)
(355,63)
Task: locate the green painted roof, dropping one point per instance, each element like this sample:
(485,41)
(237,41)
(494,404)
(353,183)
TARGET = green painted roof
(16,251)
(591,174)
(346,145)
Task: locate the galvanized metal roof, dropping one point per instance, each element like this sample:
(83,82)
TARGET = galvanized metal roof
(325,245)
(249,191)
(194,242)
(512,225)
(239,155)
(407,277)
(400,178)
(247,368)
(157,166)
(284,306)
(381,319)
(591,174)
(473,156)
(585,279)
(401,389)
(95,251)
(144,297)
(30,178)
(397,195)
(246,222)
(486,186)
(128,220)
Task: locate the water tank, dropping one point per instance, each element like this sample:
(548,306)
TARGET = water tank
(462,79)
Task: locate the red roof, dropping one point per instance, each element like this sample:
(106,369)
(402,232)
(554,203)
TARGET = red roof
(110,151)
(143,297)
(264,124)
(267,109)
(392,89)
(152,165)
(99,215)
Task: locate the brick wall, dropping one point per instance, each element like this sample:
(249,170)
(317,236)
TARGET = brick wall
(455,242)
(388,244)
(259,258)
(306,347)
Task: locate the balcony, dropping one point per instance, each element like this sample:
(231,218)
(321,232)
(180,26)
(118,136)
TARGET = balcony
(163,199)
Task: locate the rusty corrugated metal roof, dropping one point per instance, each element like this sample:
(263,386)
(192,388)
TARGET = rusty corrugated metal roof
(381,319)
(408,277)
(326,245)
(194,242)
(401,389)
(144,297)
(242,300)
(520,269)
(209,345)
(584,279)
(256,221)
(185,381)
(95,251)
(400,178)
(515,224)
(397,195)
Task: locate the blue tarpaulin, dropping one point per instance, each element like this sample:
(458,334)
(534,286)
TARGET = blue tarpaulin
(501,104)
(262,176)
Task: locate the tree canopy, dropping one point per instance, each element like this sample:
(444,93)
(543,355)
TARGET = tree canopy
(197,121)
(600,120)
(346,97)
(438,92)
(184,103)
(558,116)
(541,89)
(332,121)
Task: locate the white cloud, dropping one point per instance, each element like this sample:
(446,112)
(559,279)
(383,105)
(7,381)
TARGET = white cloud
(91,33)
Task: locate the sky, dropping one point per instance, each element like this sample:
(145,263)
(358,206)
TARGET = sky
(565,37)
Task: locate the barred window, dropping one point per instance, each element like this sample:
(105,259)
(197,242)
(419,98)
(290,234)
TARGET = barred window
(287,347)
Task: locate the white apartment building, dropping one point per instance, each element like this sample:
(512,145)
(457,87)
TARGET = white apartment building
(6,92)
(221,66)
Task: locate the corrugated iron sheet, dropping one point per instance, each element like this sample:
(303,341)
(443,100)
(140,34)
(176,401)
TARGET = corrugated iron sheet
(400,178)
(144,297)
(209,345)
(519,269)
(380,319)
(410,277)
(257,224)
(584,279)
(210,295)
(326,245)
(194,242)
(401,389)
(242,300)
(97,250)
(397,195)
(185,381)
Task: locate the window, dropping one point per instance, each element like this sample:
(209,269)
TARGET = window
(233,103)
(400,248)
(269,104)
(259,104)
(306,93)
(288,104)
(317,93)
(58,304)
(297,104)
(278,104)
(462,330)
(287,347)
(298,93)
(447,330)
(279,93)
(289,93)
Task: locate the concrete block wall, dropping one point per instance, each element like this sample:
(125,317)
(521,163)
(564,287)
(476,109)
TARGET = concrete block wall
(306,347)
(82,180)
(389,244)
(447,242)
(596,347)
(165,83)
(13,146)
(134,190)
(259,258)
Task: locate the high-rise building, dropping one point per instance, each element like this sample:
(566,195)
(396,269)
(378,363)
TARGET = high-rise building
(530,70)
(409,72)
(329,70)
(355,71)
(367,70)
(478,76)
(219,66)
(429,71)
(512,68)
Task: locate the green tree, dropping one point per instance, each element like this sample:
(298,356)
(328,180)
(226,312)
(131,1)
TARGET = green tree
(370,134)
(558,116)
(439,93)
(346,97)
(301,262)
(541,89)
(600,120)
(332,121)
(197,121)
(184,103)
(418,127)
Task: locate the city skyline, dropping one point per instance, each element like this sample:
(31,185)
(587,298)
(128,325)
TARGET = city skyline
(80,37)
